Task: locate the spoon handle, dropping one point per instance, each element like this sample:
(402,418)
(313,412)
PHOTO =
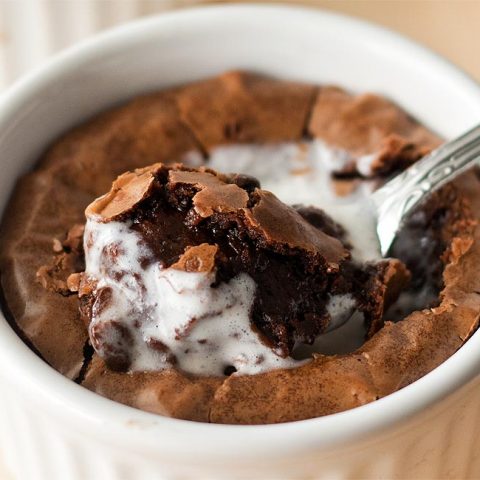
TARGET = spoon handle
(396,199)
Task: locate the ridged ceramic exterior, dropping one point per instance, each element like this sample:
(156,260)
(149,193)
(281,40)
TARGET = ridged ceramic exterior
(53,429)
(441,442)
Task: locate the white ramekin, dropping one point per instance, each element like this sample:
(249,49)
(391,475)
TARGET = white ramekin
(53,429)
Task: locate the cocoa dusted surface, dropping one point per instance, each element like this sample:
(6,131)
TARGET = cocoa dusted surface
(232,108)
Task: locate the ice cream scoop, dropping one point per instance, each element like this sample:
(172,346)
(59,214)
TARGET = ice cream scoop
(212,274)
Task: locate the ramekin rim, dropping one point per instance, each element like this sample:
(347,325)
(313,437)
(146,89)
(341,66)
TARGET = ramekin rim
(344,426)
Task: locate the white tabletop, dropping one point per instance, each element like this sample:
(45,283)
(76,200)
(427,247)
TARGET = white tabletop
(4,473)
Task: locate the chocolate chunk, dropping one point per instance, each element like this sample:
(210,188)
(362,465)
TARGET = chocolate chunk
(321,221)
(247,182)
(213,194)
(127,190)
(112,340)
(200,258)
(56,276)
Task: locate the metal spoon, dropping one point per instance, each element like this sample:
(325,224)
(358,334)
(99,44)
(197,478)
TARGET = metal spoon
(392,203)
(396,199)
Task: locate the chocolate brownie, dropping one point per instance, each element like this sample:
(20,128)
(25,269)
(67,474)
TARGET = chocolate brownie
(257,121)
